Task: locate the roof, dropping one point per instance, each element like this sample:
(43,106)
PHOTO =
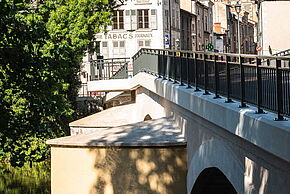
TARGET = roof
(153,133)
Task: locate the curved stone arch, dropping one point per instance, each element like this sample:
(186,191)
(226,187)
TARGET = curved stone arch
(214,153)
(211,181)
(147,117)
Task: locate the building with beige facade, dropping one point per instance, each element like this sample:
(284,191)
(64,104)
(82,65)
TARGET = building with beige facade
(274,26)
(226,28)
(196,24)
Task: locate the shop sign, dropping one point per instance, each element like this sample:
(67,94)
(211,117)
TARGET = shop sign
(123,36)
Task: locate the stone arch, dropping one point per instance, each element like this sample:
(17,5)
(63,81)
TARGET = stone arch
(214,153)
(147,117)
(212,181)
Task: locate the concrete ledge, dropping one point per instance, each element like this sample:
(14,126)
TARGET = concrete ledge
(109,85)
(112,117)
(259,129)
(153,133)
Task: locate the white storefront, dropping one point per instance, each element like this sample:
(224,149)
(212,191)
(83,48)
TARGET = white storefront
(138,24)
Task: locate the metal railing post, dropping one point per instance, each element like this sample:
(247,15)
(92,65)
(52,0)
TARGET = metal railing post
(175,67)
(187,71)
(228,80)
(259,87)
(164,65)
(216,76)
(205,67)
(195,72)
(242,77)
(180,68)
(169,65)
(160,66)
(279,92)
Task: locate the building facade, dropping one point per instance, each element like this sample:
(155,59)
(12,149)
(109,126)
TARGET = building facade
(273,27)
(140,24)
(136,24)
(202,24)
(226,29)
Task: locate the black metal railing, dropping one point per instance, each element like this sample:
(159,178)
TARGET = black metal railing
(283,53)
(113,68)
(83,90)
(252,79)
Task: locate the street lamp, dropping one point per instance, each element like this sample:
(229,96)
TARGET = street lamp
(177,43)
(238,9)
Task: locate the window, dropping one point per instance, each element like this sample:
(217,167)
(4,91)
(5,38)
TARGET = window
(144,43)
(115,44)
(127,12)
(143,19)
(133,20)
(105,50)
(105,44)
(122,44)
(153,19)
(118,19)
(206,24)
(198,27)
(133,12)
(166,19)
(177,19)
(119,48)
(173,18)
(147,43)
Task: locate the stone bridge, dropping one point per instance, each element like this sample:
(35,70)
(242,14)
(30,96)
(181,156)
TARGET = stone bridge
(216,147)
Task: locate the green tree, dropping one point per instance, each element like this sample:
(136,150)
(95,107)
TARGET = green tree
(42,43)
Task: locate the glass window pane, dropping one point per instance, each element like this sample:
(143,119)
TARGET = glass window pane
(140,43)
(127,12)
(115,44)
(147,43)
(115,20)
(122,43)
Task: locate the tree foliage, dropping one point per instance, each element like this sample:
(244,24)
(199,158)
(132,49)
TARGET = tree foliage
(42,44)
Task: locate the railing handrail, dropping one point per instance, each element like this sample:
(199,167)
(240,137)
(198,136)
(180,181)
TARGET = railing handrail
(215,54)
(282,52)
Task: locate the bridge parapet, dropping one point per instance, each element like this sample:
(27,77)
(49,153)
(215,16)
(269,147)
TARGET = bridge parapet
(257,80)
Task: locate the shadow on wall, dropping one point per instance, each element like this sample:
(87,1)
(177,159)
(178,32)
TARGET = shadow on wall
(134,170)
(212,181)
(140,170)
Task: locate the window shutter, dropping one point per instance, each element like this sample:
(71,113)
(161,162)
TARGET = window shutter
(153,19)
(127,20)
(134,19)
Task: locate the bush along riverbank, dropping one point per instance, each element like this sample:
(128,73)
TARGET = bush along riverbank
(29,179)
